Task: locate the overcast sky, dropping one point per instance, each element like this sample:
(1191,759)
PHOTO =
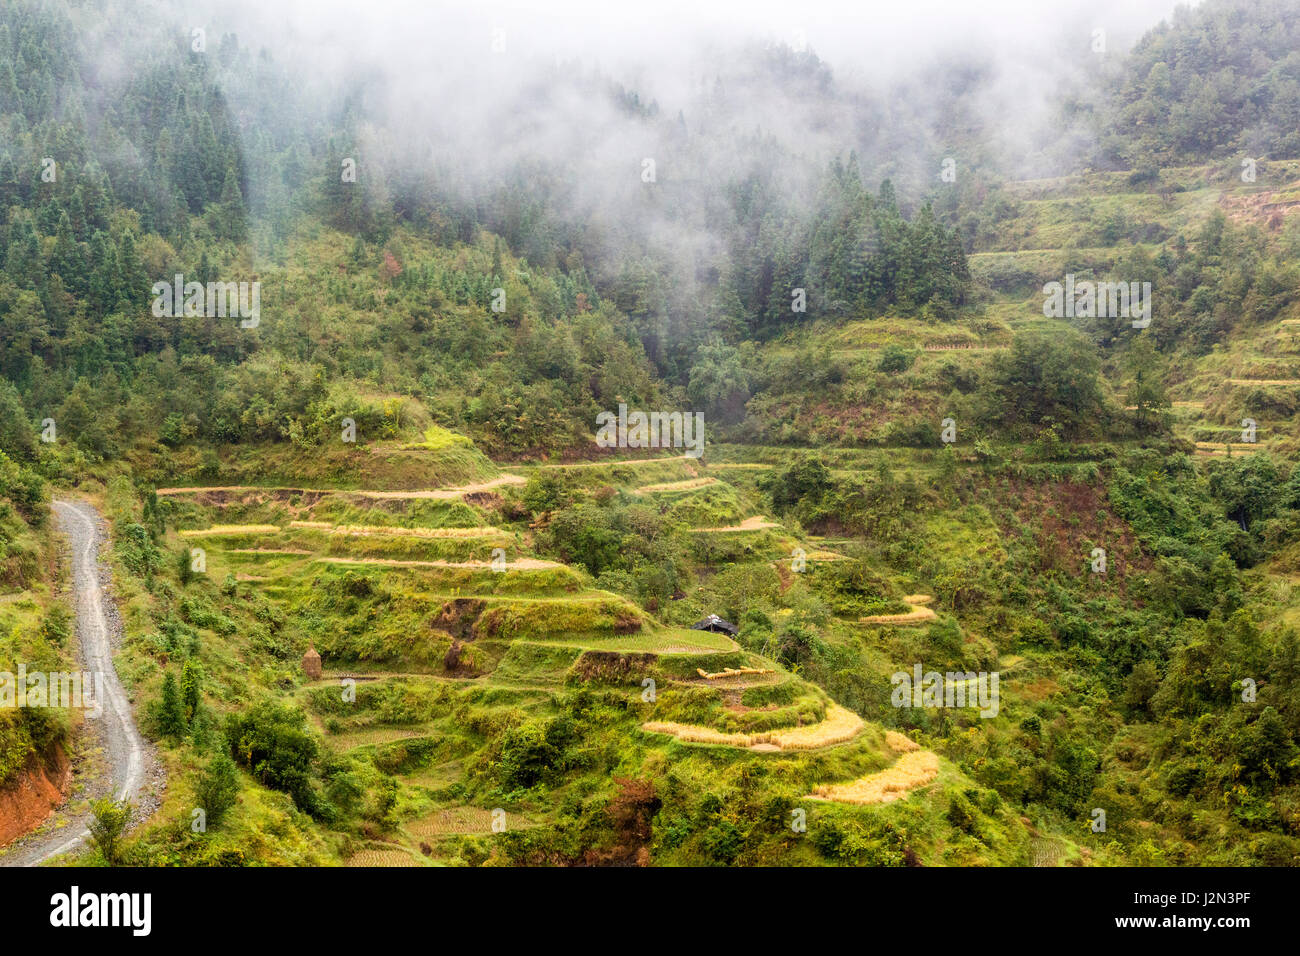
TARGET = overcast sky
(855,36)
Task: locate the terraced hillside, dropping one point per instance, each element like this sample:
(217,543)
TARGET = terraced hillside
(950,578)
(510,671)
(475,674)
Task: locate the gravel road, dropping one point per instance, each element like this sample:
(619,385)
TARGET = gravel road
(126,767)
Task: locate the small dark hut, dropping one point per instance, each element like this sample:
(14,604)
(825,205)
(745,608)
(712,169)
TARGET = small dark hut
(715,624)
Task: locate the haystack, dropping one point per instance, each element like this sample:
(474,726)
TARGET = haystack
(311,663)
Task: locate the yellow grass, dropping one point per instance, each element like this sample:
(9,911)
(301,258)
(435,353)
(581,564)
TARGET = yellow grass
(731,672)
(372,738)
(1263,381)
(367,530)
(1221,447)
(686,485)
(445,493)
(620,462)
(912,770)
(840,725)
(373,858)
(434,493)
(918,599)
(812,556)
(900,744)
(917,615)
(756,523)
(454,820)
(519,564)
(463,821)
(268,551)
(232,529)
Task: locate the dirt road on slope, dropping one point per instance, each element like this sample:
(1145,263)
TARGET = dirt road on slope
(124,766)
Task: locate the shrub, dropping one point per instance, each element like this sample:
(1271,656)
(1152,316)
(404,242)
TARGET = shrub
(895,358)
(107,828)
(272,741)
(217,788)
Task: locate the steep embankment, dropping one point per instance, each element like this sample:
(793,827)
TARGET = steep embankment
(39,789)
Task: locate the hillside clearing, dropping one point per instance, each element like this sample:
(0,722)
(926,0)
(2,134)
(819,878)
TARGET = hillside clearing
(519,564)
(755,523)
(911,771)
(839,726)
(689,484)
(372,531)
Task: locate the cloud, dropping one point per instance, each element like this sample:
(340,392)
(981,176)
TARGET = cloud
(577,94)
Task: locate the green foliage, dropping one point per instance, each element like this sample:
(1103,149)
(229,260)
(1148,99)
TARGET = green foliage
(809,320)
(272,742)
(1048,378)
(895,358)
(109,820)
(169,713)
(807,479)
(216,788)
(718,384)
(1186,73)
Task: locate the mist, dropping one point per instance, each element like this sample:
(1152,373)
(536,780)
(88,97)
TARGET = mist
(638,127)
(484,87)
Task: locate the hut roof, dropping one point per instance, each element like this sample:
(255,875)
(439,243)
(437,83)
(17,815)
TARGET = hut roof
(715,623)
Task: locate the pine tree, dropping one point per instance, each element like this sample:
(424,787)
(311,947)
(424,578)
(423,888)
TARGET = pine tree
(233,216)
(168,714)
(105,273)
(217,788)
(67,260)
(191,690)
(23,260)
(10,99)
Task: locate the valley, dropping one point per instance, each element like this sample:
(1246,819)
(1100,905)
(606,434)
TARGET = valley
(700,476)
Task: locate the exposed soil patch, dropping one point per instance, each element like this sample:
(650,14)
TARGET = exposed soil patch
(626,623)
(458,617)
(33,795)
(1261,207)
(1065,518)
(632,813)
